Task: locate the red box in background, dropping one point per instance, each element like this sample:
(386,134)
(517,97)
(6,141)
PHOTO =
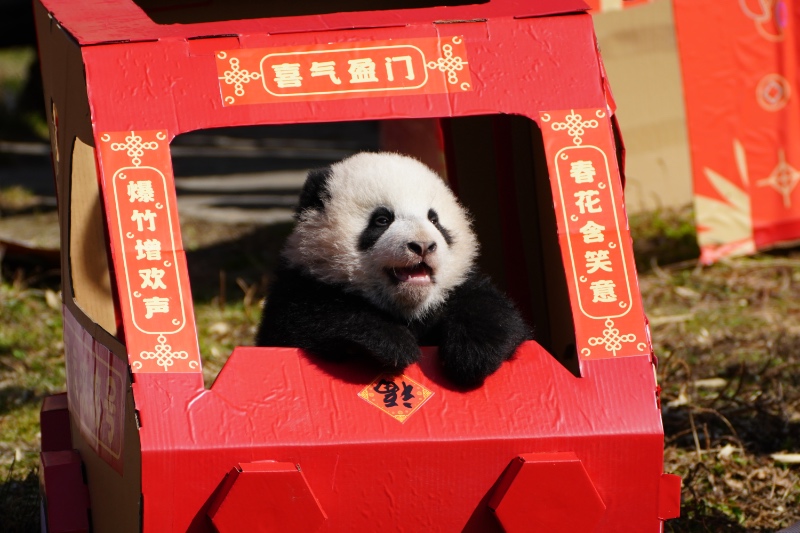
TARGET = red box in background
(742,120)
(515,95)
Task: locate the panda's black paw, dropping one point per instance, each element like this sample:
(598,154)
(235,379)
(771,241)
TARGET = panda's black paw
(396,351)
(468,359)
(481,328)
(468,365)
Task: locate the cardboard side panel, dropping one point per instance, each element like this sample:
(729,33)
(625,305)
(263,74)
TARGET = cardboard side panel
(85,274)
(88,252)
(593,231)
(103,427)
(101,406)
(558,328)
(641,58)
(599,6)
(498,168)
(509,198)
(115,498)
(436,468)
(150,262)
(96,384)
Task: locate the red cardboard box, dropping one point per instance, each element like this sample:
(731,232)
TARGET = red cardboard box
(517,95)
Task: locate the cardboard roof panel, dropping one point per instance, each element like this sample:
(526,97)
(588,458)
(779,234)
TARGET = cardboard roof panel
(104,21)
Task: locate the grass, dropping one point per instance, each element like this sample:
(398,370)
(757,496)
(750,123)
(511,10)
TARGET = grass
(728,341)
(664,236)
(31,367)
(16,198)
(14,65)
(20,117)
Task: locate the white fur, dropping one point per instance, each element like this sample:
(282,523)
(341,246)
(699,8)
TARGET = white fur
(325,243)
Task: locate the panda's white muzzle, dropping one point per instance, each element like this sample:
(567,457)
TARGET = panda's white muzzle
(420,274)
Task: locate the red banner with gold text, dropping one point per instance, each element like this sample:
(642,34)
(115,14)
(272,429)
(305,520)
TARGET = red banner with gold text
(149,260)
(343,70)
(593,233)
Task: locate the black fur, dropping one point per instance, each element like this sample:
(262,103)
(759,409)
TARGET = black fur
(434,218)
(476,330)
(379,222)
(315,190)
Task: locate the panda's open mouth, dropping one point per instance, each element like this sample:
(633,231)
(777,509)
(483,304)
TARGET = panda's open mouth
(419,273)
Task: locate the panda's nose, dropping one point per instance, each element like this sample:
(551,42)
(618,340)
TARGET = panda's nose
(422,248)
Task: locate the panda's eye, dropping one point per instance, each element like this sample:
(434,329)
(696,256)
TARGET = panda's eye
(381,218)
(433,217)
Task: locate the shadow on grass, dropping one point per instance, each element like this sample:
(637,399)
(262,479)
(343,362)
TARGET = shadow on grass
(19,503)
(663,237)
(697,517)
(223,269)
(13,397)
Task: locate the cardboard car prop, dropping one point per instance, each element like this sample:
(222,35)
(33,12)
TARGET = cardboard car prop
(565,437)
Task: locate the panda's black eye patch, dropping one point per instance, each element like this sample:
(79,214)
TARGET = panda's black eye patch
(379,221)
(433,216)
(381,217)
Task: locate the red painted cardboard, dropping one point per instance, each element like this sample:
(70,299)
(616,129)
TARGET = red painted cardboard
(669,505)
(447,456)
(66,502)
(100,21)
(96,391)
(375,451)
(547,492)
(54,423)
(266,496)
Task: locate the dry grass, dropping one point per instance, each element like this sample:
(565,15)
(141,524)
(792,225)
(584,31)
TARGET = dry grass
(727,339)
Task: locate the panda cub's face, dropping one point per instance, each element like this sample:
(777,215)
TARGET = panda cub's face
(386,226)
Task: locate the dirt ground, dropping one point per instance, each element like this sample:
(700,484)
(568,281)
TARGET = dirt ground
(727,340)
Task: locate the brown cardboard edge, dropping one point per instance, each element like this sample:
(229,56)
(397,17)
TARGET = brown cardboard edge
(115,498)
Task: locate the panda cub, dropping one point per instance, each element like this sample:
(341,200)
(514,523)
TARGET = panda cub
(380,262)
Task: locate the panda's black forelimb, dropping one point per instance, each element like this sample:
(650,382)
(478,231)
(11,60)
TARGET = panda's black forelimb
(332,323)
(479,329)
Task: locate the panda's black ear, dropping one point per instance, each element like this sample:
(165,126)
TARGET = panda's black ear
(315,190)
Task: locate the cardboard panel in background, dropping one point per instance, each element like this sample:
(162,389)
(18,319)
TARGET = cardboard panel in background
(641,59)
(739,69)
(598,6)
